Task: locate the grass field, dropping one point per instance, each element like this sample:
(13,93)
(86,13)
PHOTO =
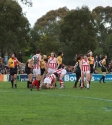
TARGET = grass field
(66,106)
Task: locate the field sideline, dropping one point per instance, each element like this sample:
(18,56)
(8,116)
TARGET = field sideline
(66,106)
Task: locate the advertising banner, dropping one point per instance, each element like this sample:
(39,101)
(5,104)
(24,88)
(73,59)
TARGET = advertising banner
(96,77)
(67,78)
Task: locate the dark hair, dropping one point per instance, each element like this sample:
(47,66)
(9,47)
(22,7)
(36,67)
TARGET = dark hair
(81,55)
(78,58)
(103,56)
(56,74)
(38,51)
(12,54)
(46,60)
(60,53)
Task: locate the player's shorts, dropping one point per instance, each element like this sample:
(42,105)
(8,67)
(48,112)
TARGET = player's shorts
(47,80)
(103,69)
(51,71)
(42,71)
(28,72)
(36,71)
(91,68)
(63,72)
(13,71)
(85,72)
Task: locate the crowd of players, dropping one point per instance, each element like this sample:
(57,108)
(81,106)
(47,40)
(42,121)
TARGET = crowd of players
(48,70)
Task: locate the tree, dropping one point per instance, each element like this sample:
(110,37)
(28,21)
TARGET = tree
(45,33)
(77,32)
(26,2)
(103,20)
(14,25)
(53,16)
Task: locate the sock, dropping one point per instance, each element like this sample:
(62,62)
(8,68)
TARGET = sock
(62,83)
(82,85)
(27,84)
(76,83)
(103,78)
(15,85)
(55,85)
(37,83)
(87,86)
(12,83)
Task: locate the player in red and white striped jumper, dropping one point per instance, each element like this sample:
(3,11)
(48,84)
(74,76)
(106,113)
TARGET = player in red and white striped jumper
(52,63)
(61,72)
(85,70)
(36,67)
(49,81)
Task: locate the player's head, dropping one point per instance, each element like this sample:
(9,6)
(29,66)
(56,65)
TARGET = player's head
(90,53)
(56,74)
(12,55)
(78,58)
(63,66)
(104,57)
(82,56)
(46,60)
(38,52)
(60,54)
(44,56)
(85,56)
(53,54)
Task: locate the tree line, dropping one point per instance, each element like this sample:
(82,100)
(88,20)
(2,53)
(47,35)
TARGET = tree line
(71,31)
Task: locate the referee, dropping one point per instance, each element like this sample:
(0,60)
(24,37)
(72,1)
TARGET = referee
(12,64)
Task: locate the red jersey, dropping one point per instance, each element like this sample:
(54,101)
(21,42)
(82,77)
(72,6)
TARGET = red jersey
(15,62)
(85,65)
(52,63)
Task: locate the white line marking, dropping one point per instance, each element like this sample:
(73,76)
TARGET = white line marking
(61,95)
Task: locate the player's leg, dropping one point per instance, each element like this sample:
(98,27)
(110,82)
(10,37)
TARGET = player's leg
(82,79)
(87,79)
(15,80)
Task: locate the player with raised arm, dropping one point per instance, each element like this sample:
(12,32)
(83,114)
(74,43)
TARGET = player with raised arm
(12,64)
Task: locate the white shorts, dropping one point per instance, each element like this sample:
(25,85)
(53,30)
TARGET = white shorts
(85,72)
(63,72)
(51,71)
(36,71)
(47,80)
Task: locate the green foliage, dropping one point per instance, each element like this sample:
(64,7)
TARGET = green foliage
(78,32)
(103,20)
(56,107)
(14,26)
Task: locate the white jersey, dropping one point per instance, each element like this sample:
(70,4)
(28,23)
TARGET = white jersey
(52,63)
(36,61)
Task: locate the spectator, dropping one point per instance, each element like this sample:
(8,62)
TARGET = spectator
(2,67)
(69,71)
(99,59)
(96,61)
(109,68)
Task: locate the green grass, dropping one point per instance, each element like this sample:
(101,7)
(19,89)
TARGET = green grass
(56,107)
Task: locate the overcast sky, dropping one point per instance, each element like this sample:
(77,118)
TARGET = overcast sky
(41,7)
